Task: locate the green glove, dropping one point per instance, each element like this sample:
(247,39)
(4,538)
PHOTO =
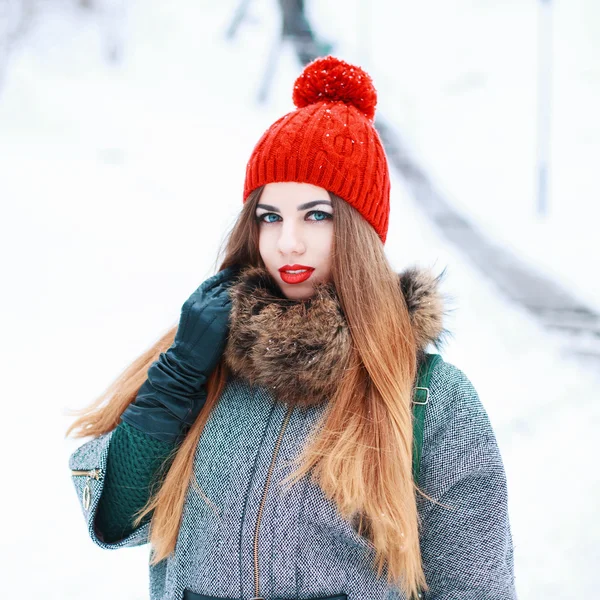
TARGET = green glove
(174,392)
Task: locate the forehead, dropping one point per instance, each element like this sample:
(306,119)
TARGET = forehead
(292,193)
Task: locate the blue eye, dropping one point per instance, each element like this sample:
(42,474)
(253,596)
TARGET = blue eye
(326,215)
(263,217)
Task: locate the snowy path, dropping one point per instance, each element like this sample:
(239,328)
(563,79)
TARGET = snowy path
(552,305)
(117,184)
(459,79)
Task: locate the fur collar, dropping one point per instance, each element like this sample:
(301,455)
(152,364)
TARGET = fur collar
(299,349)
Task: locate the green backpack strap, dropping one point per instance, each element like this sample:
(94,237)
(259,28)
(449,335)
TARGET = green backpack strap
(420,401)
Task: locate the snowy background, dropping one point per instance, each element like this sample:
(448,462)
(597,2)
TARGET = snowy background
(125,128)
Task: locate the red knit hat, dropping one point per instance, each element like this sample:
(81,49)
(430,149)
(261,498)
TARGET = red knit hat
(329,141)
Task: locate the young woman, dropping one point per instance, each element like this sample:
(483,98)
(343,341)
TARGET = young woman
(264,445)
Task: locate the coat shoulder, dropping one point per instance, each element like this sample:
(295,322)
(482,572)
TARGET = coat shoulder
(465,538)
(458,435)
(454,403)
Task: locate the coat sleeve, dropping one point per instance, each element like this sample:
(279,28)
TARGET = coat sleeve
(466,545)
(107,487)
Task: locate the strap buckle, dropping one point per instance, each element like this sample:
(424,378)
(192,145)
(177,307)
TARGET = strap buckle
(426,395)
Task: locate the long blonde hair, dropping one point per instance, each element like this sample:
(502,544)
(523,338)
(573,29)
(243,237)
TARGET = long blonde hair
(362,454)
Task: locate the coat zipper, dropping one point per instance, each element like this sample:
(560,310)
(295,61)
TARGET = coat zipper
(86,495)
(257,595)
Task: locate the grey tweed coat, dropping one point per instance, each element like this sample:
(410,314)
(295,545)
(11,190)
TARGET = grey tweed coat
(260,540)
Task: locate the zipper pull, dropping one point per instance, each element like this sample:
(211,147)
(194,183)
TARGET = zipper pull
(86,496)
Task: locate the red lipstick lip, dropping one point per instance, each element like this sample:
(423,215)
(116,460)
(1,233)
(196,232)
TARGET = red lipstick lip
(295,278)
(295,268)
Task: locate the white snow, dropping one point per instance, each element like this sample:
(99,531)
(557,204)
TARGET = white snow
(119,180)
(461,81)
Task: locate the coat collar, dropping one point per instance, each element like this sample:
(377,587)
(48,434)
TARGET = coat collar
(299,349)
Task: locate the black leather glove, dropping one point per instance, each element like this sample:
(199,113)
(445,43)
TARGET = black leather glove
(174,392)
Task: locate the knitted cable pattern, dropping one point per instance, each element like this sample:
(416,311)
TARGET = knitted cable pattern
(329,141)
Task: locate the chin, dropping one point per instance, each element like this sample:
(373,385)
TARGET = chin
(297,292)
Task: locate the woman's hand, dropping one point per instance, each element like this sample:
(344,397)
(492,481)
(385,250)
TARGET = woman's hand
(204,324)
(170,399)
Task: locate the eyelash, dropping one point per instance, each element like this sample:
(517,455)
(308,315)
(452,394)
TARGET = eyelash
(328,217)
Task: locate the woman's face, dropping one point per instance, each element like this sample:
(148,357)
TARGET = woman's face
(296,233)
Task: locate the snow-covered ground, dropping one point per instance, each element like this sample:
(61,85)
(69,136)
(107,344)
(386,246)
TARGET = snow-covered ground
(118,182)
(460,80)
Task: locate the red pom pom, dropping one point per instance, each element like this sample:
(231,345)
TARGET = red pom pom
(333,79)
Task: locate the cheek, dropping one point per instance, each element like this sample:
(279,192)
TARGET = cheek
(266,245)
(326,242)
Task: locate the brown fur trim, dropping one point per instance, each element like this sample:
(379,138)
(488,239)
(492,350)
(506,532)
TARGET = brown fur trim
(425,305)
(299,349)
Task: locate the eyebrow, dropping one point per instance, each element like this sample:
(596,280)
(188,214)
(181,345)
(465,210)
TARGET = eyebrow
(300,207)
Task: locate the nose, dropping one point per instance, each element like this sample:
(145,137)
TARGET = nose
(290,239)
